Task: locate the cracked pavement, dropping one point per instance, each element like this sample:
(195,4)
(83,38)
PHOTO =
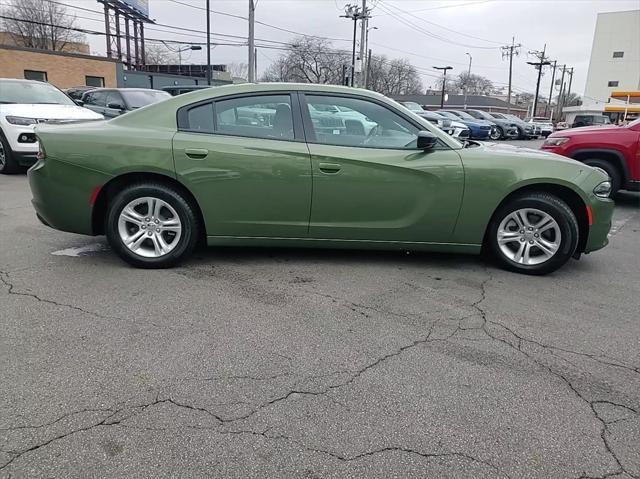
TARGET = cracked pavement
(314,364)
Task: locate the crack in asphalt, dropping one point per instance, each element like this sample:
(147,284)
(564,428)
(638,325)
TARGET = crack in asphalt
(518,347)
(382,450)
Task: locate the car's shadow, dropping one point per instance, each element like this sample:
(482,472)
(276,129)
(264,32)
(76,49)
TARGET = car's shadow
(627,198)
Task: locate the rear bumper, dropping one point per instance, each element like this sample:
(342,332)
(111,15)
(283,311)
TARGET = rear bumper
(62,195)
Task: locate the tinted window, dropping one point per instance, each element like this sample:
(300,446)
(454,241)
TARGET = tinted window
(361,123)
(140,98)
(97,98)
(264,116)
(113,97)
(200,118)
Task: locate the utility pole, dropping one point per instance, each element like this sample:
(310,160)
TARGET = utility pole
(367,70)
(570,80)
(466,84)
(364,34)
(559,102)
(541,63)
(252,49)
(553,77)
(208,43)
(353,12)
(509,51)
(444,82)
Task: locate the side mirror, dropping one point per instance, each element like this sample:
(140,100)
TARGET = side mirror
(115,106)
(79,102)
(426,140)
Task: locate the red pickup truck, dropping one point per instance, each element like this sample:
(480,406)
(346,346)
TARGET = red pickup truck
(615,149)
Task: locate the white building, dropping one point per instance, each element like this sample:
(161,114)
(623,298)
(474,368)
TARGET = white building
(615,56)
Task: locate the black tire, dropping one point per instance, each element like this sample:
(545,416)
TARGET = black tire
(499,134)
(184,209)
(611,169)
(521,134)
(8,164)
(551,205)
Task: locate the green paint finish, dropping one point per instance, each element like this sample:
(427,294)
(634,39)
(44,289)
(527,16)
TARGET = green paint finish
(262,191)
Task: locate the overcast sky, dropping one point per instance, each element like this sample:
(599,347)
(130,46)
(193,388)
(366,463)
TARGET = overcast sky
(448,29)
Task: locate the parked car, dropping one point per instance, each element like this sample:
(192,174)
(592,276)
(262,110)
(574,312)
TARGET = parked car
(526,131)
(464,116)
(590,120)
(449,126)
(477,130)
(112,102)
(561,125)
(23,104)
(615,149)
(76,92)
(504,128)
(174,90)
(544,126)
(158,180)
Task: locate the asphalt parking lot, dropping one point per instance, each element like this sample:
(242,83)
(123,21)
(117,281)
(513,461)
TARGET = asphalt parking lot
(314,364)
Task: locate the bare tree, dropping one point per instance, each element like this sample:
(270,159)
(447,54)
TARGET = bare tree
(310,60)
(474,84)
(157,54)
(40,24)
(238,70)
(393,77)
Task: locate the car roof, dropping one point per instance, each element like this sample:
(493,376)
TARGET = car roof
(21,80)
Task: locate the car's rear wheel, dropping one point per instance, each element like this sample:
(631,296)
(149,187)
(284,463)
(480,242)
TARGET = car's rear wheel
(151,225)
(496,133)
(611,170)
(535,233)
(8,164)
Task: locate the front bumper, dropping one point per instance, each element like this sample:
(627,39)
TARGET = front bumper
(602,212)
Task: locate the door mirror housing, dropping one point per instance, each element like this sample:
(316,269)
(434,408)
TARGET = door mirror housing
(426,140)
(115,106)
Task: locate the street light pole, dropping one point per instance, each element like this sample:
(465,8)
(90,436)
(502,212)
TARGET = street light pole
(466,84)
(208,43)
(252,48)
(444,82)
(366,68)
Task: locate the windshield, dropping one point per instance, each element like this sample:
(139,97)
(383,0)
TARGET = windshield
(28,92)
(413,106)
(140,98)
(498,115)
(448,114)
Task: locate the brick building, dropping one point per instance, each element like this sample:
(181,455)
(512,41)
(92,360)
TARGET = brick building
(61,69)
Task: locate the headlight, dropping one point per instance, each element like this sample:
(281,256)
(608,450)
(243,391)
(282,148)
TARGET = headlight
(19,120)
(603,189)
(556,141)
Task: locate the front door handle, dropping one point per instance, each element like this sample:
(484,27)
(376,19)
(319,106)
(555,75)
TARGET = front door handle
(196,153)
(330,168)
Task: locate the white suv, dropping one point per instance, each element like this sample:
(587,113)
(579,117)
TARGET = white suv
(24,104)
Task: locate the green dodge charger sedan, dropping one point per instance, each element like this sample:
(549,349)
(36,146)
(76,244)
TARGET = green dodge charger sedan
(310,165)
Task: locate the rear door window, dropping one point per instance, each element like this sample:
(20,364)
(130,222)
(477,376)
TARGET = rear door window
(260,116)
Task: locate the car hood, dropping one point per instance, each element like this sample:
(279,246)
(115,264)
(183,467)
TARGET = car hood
(457,124)
(590,129)
(50,112)
(524,153)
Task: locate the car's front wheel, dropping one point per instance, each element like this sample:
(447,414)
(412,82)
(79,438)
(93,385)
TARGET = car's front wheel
(8,164)
(151,225)
(535,233)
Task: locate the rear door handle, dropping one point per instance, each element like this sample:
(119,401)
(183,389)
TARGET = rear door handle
(196,153)
(330,168)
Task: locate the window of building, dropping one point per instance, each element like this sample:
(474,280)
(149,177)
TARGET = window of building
(35,75)
(612,83)
(618,54)
(94,81)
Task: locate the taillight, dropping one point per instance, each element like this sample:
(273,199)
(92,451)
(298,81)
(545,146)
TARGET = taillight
(41,155)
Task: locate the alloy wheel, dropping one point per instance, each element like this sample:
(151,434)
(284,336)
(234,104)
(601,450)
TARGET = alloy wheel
(3,156)
(495,134)
(149,227)
(529,236)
